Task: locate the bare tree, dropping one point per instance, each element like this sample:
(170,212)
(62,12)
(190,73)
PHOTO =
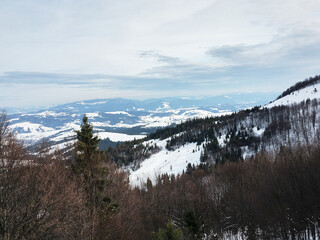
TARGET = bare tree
(38,199)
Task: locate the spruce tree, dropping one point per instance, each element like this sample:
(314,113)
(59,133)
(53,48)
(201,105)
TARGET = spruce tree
(89,166)
(88,155)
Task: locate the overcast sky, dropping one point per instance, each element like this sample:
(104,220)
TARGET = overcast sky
(59,51)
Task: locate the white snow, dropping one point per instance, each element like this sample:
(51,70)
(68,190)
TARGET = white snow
(118,125)
(152,120)
(94,103)
(221,140)
(45,114)
(33,132)
(170,162)
(31,127)
(13,119)
(310,92)
(119,112)
(258,132)
(119,137)
(92,115)
(165,106)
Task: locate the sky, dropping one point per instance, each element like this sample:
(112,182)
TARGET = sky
(59,51)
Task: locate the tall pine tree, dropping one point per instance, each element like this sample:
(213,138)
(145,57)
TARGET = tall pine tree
(88,156)
(90,166)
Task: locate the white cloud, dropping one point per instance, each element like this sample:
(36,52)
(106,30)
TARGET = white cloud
(135,42)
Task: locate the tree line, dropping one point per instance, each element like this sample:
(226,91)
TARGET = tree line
(269,196)
(231,137)
(272,195)
(299,85)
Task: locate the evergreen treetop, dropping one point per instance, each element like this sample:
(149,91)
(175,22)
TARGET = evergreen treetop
(87,152)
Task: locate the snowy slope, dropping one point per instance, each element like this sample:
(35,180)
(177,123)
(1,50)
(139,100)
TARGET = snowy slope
(170,162)
(309,92)
(174,162)
(119,137)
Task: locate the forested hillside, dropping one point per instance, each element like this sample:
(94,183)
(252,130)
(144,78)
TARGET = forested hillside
(257,178)
(232,137)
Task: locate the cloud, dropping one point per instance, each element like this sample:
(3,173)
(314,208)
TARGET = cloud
(144,48)
(51,78)
(280,51)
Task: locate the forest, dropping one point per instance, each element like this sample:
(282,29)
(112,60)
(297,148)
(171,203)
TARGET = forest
(231,137)
(258,179)
(271,195)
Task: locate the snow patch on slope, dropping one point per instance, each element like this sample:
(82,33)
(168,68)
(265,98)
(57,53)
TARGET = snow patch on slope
(31,127)
(119,137)
(119,112)
(170,162)
(31,132)
(93,103)
(309,92)
(45,114)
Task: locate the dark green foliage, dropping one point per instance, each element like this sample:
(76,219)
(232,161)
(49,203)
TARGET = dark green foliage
(86,141)
(192,223)
(89,165)
(87,154)
(129,152)
(170,233)
(204,156)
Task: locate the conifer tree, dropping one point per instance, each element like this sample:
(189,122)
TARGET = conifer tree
(170,233)
(87,155)
(89,164)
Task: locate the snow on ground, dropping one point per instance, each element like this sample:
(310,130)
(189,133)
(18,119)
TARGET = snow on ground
(119,112)
(46,114)
(92,115)
(246,152)
(257,132)
(170,162)
(175,118)
(119,137)
(93,103)
(62,146)
(13,119)
(153,120)
(31,132)
(118,125)
(31,127)
(69,133)
(165,106)
(310,92)
(221,140)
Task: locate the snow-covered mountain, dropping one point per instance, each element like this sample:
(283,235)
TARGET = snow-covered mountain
(292,119)
(308,92)
(122,119)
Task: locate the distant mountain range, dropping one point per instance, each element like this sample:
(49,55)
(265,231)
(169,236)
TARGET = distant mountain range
(118,119)
(291,120)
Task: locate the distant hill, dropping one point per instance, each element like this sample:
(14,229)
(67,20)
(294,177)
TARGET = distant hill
(301,91)
(301,85)
(291,120)
(118,120)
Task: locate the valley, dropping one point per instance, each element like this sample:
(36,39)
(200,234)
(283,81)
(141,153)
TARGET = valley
(118,120)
